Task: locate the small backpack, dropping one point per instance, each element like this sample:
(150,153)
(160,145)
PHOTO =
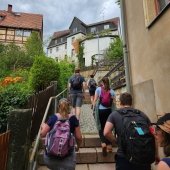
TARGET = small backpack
(105,98)
(92,83)
(76,83)
(137,142)
(59,141)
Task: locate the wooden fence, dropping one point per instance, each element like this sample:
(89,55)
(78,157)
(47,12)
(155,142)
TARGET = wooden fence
(4,144)
(38,103)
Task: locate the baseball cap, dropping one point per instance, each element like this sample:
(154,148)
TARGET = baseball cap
(164,122)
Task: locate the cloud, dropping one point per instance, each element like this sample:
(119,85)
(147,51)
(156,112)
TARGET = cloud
(58,14)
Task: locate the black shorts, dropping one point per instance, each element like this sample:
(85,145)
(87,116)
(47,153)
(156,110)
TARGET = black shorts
(92,91)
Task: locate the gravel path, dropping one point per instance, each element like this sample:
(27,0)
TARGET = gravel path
(87,123)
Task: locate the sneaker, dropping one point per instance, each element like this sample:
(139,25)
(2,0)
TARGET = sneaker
(104,149)
(109,148)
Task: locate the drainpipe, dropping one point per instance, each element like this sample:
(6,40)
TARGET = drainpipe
(125,49)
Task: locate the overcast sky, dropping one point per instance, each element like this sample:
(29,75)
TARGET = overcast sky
(58,14)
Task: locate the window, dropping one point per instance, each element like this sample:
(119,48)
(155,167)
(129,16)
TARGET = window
(57,48)
(82,44)
(27,33)
(106,27)
(93,30)
(51,50)
(75,30)
(152,8)
(61,39)
(56,41)
(162,4)
(72,39)
(18,32)
(65,46)
(72,52)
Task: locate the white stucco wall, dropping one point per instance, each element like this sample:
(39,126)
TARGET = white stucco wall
(60,54)
(70,46)
(91,48)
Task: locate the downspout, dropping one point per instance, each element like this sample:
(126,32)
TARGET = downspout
(125,49)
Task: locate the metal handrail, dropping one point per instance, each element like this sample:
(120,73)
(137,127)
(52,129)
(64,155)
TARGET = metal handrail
(32,163)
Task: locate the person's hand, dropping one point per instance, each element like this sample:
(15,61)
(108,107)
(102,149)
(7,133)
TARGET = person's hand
(76,148)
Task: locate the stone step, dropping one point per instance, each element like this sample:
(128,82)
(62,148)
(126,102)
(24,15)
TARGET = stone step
(102,166)
(87,155)
(89,141)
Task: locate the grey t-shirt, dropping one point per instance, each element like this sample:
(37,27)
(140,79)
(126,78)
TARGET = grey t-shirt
(116,119)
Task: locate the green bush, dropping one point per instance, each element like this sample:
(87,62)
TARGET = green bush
(43,71)
(66,70)
(12,96)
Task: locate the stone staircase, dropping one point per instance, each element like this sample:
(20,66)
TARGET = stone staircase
(90,154)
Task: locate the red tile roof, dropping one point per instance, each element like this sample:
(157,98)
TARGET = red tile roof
(60,34)
(21,20)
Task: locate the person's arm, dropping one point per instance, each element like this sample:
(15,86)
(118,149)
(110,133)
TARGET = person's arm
(44,130)
(108,132)
(95,98)
(78,137)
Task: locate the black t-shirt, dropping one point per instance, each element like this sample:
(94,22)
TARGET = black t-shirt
(116,119)
(73,122)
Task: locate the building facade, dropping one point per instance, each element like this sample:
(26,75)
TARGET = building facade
(94,38)
(16,27)
(147,24)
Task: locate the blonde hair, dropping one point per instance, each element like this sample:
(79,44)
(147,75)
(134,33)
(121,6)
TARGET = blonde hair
(63,107)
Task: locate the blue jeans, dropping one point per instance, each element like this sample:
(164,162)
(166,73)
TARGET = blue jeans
(123,164)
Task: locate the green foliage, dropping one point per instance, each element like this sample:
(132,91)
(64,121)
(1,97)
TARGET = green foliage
(43,71)
(12,96)
(118,2)
(115,50)
(66,70)
(34,46)
(80,56)
(12,57)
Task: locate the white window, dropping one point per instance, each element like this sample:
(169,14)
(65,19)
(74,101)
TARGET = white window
(57,49)
(18,32)
(61,39)
(72,39)
(56,41)
(27,33)
(82,44)
(75,30)
(72,52)
(93,30)
(106,27)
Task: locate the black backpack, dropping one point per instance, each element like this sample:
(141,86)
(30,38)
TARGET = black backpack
(76,83)
(92,83)
(136,140)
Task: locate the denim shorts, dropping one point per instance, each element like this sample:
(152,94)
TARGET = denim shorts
(67,163)
(76,99)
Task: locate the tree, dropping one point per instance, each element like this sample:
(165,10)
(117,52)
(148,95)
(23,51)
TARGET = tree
(118,2)
(43,71)
(12,57)
(66,70)
(34,46)
(80,56)
(115,50)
